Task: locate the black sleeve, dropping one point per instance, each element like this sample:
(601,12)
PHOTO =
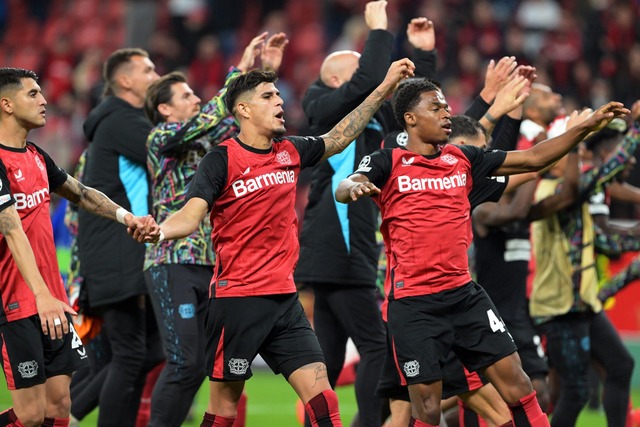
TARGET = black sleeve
(487,189)
(478,108)
(55,174)
(327,109)
(210,178)
(395,139)
(505,137)
(310,148)
(376,167)
(425,62)
(6,199)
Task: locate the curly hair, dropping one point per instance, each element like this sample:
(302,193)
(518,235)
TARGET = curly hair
(246,83)
(408,96)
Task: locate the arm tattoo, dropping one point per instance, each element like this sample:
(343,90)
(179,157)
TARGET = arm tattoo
(8,221)
(88,198)
(352,125)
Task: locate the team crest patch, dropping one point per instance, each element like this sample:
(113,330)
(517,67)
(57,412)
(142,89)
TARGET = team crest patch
(364,164)
(39,164)
(28,369)
(283,158)
(238,366)
(187,311)
(449,159)
(402,139)
(411,369)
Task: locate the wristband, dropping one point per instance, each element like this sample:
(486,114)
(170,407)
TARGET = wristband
(161,238)
(120,214)
(490,118)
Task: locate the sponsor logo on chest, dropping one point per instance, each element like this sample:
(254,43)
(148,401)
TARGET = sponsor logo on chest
(407,183)
(28,201)
(244,186)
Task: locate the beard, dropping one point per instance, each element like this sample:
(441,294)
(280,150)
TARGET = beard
(279,131)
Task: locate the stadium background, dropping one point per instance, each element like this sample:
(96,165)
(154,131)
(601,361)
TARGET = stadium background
(587,50)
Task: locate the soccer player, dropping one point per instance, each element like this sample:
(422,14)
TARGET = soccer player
(248,184)
(39,345)
(178,272)
(346,301)
(433,304)
(110,261)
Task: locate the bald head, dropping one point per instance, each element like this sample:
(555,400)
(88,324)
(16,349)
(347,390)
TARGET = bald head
(543,105)
(339,67)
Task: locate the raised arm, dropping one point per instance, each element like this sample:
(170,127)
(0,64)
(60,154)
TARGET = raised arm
(350,127)
(51,311)
(551,150)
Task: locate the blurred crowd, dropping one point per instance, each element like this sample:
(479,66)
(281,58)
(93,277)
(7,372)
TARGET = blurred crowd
(587,50)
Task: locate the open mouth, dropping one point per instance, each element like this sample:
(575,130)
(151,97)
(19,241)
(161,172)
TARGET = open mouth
(280,116)
(447,127)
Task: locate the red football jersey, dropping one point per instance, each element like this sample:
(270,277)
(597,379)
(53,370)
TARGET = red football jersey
(252,194)
(26,177)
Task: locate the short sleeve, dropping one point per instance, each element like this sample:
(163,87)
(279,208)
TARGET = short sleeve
(56,175)
(6,199)
(487,189)
(209,180)
(376,167)
(310,148)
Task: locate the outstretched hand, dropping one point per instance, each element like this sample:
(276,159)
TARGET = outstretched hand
(360,189)
(603,115)
(512,95)
(497,76)
(273,51)
(421,34)
(251,52)
(375,15)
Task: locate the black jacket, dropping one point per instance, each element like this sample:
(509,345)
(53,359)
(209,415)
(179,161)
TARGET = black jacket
(110,260)
(337,242)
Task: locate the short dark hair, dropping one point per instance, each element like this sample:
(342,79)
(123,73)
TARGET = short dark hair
(12,77)
(113,63)
(408,96)
(160,92)
(465,126)
(247,82)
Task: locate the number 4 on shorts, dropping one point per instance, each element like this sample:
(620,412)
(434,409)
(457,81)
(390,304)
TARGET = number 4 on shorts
(495,322)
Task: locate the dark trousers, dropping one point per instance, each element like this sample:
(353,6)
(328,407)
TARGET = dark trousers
(575,340)
(135,349)
(179,294)
(342,312)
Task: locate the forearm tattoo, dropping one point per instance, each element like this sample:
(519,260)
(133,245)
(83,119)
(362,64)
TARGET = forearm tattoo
(8,221)
(88,198)
(352,125)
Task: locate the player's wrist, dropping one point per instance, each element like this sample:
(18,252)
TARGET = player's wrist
(121,213)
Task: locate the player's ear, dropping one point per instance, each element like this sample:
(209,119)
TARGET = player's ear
(410,118)
(6,104)
(244,109)
(164,109)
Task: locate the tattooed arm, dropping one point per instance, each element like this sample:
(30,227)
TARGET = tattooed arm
(350,127)
(49,308)
(98,203)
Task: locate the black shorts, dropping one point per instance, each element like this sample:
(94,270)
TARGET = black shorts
(456,379)
(29,356)
(532,355)
(425,328)
(274,326)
